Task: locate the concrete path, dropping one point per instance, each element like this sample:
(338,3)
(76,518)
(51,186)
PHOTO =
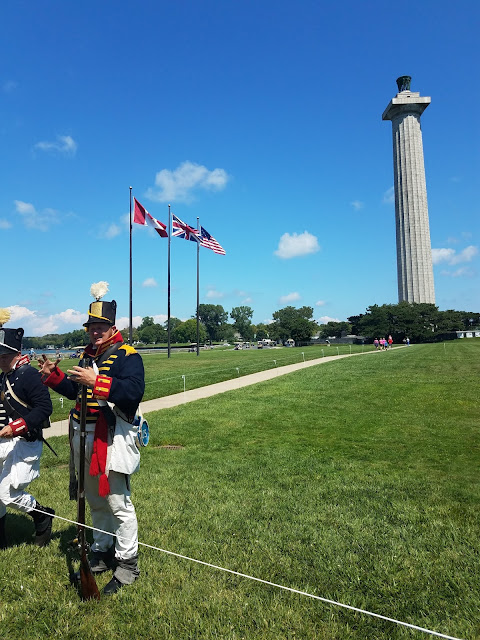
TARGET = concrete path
(61,428)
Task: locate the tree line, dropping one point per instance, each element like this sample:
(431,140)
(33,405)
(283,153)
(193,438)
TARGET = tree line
(421,322)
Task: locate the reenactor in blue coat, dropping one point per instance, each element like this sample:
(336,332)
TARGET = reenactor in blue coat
(25,408)
(115,384)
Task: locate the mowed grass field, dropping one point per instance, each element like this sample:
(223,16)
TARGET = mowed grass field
(356,480)
(164,376)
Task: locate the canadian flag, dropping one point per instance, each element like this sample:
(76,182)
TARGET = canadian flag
(141,216)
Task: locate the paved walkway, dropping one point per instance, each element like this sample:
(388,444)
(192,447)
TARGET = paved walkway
(61,428)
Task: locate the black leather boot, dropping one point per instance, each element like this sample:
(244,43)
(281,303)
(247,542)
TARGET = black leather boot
(43,519)
(3,535)
(125,573)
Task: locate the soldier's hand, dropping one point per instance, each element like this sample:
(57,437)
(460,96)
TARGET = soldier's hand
(6,432)
(47,366)
(83,375)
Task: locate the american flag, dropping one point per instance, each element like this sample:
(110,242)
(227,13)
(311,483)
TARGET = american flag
(182,230)
(209,242)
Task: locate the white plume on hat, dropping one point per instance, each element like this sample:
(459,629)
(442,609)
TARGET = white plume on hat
(99,289)
(4,316)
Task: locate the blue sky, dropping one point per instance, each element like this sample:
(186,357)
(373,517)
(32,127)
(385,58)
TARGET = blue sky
(262,118)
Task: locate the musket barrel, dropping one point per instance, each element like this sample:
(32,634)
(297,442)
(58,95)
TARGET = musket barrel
(88,586)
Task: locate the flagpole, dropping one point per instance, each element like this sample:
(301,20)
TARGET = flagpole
(168,285)
(198,287)
(130,319)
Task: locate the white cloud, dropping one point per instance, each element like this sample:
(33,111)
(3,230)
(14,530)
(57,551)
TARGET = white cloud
(320,303)
(290,297)
(9,86)
(112,231)
(357,205)
(450,256)
(465,272)
(123,322)
(64,144)
(297,244)
(178,185)
(247,300)
(149,282)
(325,319)
(36,324)
(33,219)
(389,196)
(19,313)
(5,224)
(442,255)
(212,293)
(466,255)
(71,316)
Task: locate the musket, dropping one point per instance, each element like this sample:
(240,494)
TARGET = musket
(87,585)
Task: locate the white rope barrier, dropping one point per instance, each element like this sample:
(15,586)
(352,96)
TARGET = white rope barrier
(267,582)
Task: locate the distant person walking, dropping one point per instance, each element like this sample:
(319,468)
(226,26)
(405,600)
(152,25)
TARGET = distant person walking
(376,343)
(390,341)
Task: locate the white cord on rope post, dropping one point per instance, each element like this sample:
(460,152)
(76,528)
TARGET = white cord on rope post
(267,582)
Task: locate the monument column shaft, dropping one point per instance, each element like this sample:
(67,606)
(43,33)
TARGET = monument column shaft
(414,250)
(414,254)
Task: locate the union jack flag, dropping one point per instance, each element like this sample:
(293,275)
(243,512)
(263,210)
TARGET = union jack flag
(209,242)
(182,230)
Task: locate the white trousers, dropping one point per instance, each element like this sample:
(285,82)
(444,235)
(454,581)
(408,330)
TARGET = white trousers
(115,513)
(19,465)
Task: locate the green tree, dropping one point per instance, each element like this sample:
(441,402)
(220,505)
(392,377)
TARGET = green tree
(242,321)
(334,329)
(290,322)
(226,332)
(262,331)
(419,321)
(152,334)
(212,316)
(76,338)
(187,332)
(126,336)
(147,321)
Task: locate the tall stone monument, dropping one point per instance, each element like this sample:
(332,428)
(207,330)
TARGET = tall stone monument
(414,251)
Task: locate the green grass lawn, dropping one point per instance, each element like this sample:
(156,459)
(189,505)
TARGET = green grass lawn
(356,481)
(163,375)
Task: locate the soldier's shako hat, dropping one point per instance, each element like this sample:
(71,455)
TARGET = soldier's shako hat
(101,311)
(10,340)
